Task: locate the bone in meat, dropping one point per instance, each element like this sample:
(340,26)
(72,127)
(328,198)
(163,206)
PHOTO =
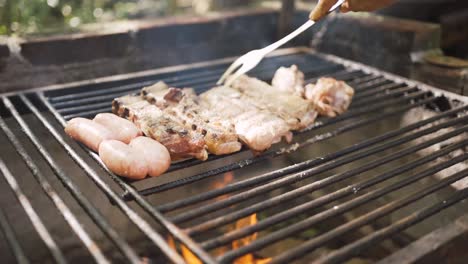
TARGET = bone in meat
(220,138)
(181,142)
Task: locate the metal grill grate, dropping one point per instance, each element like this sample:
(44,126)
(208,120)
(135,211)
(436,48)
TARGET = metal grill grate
(198,216)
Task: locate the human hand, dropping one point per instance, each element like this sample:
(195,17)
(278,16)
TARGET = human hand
(349,5)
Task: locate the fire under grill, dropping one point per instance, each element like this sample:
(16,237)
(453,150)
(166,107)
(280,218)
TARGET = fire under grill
(366,186)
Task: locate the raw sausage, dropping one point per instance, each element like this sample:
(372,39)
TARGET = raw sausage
(123,160)
(122,129)
(157,156)
(87,132)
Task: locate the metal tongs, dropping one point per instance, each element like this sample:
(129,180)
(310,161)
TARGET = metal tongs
(251,59)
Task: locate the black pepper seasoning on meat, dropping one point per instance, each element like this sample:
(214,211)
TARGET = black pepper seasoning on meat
(126,113)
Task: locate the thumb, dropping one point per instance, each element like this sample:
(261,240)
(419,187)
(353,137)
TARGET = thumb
(321,9)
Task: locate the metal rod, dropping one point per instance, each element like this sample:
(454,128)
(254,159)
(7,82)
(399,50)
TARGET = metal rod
(168,225)
(405,91)
(380,89)
(86,108)
(343,75)
(300,166)
(359,101)
(32,215)
(416,217)
(69,217)
(185,77)
(12,240)
(229,217)
(89,107)
(368,81)
(187,215)
(157,239)
(94,105)
(267,155)
(95,215)
(192,162)
(89,114)
(143,225)
(366,110)
(351,189)
(346,206)
(197,80)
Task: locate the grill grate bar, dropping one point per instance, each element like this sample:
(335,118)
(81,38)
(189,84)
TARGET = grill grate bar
(169,226)
(366,84)
(273,175)
(68,183)
(204,81)
(192,162)
(84,109)
(346,206)
(12,240)
(132,215)
(414,218)
(335,163)
(87,107)
(96,105)
(352,189)
(368,109)
(380,89)
(49,191)
(378,96)
(33,216)
(156,238)
(185,76)
(310,141)
(89,114)
(372,216)
(405,91)
(226,218)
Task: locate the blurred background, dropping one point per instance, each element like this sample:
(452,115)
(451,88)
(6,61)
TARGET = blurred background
(47,17)
(46,42)
(26,17)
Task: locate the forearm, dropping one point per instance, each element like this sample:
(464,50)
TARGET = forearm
(323,6)
(360,5)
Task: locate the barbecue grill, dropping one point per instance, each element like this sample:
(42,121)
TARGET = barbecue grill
(357,187)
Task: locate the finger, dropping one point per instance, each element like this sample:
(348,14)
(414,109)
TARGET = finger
(345,7)
(321,9)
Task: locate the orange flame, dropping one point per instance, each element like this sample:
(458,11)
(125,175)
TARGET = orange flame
(249,258)
(228,178)
(190,258)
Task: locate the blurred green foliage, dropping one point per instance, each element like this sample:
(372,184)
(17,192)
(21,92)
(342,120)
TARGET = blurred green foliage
(26,17)
(21,17)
